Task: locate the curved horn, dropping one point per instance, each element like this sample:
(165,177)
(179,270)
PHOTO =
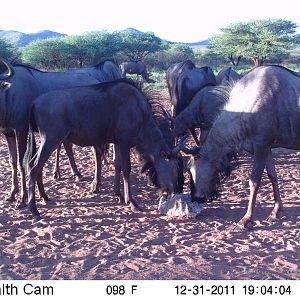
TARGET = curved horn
(10,69)
(193,150)
(180,145)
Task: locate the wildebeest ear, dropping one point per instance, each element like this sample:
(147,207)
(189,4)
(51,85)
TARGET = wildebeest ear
(5,85)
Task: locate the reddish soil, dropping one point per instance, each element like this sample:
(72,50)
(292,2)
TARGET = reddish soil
(87,236)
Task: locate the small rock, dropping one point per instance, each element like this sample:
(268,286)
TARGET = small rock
(179,205)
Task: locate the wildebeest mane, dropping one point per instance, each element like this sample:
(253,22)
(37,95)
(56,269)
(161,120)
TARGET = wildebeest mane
(222,92)
(161,116)
(156,110)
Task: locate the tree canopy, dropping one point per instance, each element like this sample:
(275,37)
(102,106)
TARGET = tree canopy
(72,51)
(90,48)
(136,46)
(257,39)
(7,50)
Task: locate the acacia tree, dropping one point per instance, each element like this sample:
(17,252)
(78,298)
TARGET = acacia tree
(175,53)
(90,48)
(71,51)
(136,46)
(258,39)
(7,50)
(46,54)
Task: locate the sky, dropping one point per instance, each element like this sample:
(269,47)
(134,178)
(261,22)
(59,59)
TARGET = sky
(173,20)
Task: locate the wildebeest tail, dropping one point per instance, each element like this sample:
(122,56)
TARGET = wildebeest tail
(31,143)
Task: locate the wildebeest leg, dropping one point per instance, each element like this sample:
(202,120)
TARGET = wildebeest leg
(117,179)
(113,151)
(69,151)
(56,170)
(260,158)
(13,160)
(270,166)
(194,135)
(35,174)
(41,186)
(21,138)
(126,168)
(96,183)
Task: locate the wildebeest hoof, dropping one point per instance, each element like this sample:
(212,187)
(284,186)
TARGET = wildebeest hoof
(56,176)
(95,189)
(78,177)
(10,199)
(37,218)
(50,202)
(135,208)
(273,218)
(20,205)
(240,226)
(45,198)
(120,199)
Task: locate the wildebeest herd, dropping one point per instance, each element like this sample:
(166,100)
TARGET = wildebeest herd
(96,106)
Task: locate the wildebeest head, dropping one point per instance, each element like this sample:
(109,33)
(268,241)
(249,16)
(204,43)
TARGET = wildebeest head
(206,175)
(203,180)
(166,168)
(165,172)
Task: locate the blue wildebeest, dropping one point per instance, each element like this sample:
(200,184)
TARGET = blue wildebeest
(19,86)
(114,112)
(262,112)
(227,76)
(136,67)
(164,122)
(172,75)
(206,105)
(106,70)
(184,81)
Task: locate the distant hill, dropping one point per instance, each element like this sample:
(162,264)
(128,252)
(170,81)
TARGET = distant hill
(21,39)
(195,44)
(132,30)
(198,44)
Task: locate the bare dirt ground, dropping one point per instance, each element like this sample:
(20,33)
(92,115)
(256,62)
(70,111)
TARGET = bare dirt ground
(87,236)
